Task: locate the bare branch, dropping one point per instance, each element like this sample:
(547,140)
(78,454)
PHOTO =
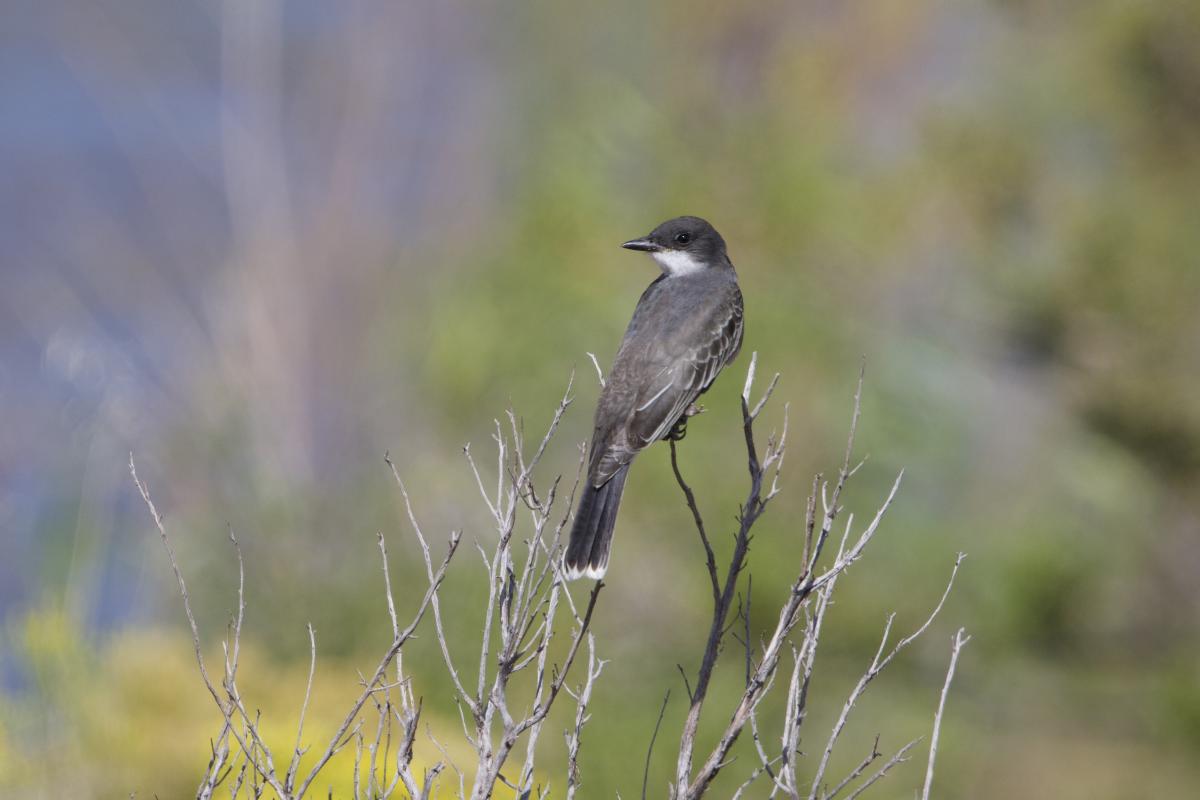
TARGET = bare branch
(960,641)
(859,770)
(575,736)
(650,750)
(749,384)
(183,592)
(761,675)
(899,758)
(335,742)
(439,628)
(710,558)
(758,407)
(227,708)
(599,372)
(878,664)
(518,682)
(751,510)
(298,751)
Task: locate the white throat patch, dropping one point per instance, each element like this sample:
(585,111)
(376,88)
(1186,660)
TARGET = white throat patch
(676,262)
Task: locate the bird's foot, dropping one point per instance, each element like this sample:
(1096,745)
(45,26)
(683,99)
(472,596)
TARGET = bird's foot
(679,429)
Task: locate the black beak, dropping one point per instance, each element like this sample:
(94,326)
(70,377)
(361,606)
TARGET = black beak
(645,245)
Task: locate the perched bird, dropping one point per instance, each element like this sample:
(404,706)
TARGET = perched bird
(687,326)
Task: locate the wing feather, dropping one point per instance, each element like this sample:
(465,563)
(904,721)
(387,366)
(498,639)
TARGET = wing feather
(691,377)
(655,409)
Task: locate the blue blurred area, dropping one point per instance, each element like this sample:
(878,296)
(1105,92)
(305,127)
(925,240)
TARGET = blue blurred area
(115,212)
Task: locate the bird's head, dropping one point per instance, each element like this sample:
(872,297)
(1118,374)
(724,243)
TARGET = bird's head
(683,245)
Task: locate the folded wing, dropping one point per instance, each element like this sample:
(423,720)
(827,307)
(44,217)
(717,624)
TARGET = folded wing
(660,403)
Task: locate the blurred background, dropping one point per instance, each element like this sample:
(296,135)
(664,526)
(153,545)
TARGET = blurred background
(260,244)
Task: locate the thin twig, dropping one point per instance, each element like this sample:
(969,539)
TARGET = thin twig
(859,770)
(878,664)
(435,603)
(335,743)
(899,758)
(599,372)
(752,509)
(654,736)
(960,641)
(227,708)
(575,736)
(297,750)
(710,558)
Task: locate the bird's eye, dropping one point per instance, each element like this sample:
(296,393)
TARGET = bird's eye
(683,238)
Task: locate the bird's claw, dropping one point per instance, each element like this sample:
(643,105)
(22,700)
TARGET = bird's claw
(679,429)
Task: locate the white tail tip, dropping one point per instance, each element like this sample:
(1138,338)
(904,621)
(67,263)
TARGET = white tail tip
(595,573)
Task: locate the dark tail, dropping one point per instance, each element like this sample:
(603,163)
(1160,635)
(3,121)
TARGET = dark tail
(591,536)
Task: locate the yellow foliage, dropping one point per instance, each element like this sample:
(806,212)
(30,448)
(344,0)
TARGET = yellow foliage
(131,715)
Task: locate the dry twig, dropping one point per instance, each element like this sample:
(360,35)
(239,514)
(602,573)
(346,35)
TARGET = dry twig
(526,602)
(762,668)
(528,605)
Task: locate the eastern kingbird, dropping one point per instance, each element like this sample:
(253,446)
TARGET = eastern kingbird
(687,326)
